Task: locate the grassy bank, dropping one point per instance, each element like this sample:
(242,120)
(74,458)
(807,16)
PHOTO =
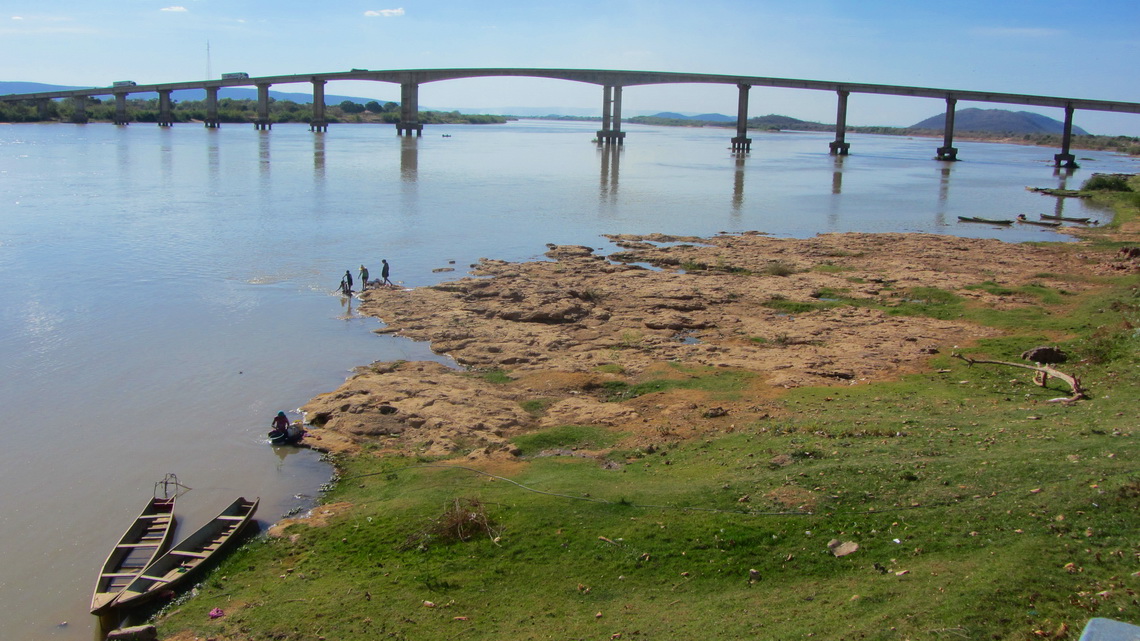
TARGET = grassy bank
(981,510)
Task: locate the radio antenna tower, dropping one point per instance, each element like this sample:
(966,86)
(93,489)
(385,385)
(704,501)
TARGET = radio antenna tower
(209,73)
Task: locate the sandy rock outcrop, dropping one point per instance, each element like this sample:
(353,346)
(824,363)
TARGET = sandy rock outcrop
(567,327)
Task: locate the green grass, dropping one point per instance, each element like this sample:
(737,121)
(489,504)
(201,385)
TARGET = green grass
(796,306)
(721,384)
(987,505)
(537,406)
(496,376)
(564,437)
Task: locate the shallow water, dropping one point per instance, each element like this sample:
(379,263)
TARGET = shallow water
(164,292)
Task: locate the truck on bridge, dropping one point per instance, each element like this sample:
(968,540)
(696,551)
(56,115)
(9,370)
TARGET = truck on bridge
(237,75)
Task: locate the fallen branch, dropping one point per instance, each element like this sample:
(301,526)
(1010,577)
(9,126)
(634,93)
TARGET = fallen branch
(1040,378)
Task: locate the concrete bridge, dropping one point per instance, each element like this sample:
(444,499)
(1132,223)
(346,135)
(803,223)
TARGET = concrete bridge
(612,83)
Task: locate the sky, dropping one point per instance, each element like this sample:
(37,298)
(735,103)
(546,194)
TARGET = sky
(1070,49)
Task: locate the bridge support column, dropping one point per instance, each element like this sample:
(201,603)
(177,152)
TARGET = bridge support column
(742,142)
(840,146)
(318,122)
(409,110)
(79,110)
(121,117)
(1069,160)
(43,108)
(947,150)
(611,124)
(212,121)
(262,122)
(165,115)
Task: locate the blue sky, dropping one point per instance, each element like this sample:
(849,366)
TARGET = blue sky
(1074,49)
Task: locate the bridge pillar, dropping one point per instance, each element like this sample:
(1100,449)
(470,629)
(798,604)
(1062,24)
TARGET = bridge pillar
(840,147)
(1069,160)
(318,122)
(611,125)
(121,117)
(165,115)
(409,110)
(742,142)
(947,150)
(43,108)
(212,121)
(79,111)
(262,121)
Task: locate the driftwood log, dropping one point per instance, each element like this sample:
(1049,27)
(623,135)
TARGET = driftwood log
(1041,377)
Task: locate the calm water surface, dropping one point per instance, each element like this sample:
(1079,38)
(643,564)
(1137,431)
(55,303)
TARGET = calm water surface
(164,292)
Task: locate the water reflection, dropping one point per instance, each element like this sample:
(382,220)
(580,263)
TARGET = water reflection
(738,185)
(943,193)
(1063,174)
(836,190)
(409,158)
(123,157)
(263,152)
(319,155)
(611,168)
(166,155)
(213,154)
(283,451)
(346,305)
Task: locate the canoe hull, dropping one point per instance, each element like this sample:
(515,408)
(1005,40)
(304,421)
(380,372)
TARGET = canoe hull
(146,538)
(176,567)
(987,221)
(1065,218)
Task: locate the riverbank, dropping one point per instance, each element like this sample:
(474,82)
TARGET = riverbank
(577,330)
(663,441)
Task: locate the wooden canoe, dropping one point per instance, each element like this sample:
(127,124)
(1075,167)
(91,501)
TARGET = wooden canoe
(990,221)
(1066,219)
(178,565)
(146,538)
(1041,223)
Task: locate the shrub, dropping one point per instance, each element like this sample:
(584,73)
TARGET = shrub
(1107,182)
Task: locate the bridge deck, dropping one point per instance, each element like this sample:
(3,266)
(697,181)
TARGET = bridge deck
(616,78)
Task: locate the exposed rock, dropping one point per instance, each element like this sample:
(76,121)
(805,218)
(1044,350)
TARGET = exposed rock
(571,329)
(842,548)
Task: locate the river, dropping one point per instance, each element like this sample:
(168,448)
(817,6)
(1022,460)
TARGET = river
(165,291)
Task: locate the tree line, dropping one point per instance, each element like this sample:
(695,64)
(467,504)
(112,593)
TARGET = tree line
(232,110)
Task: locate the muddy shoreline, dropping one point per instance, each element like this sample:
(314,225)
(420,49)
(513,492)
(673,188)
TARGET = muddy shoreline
(560,334)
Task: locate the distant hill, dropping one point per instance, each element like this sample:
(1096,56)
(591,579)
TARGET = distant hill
(670,115)
(771,121)
(235,93)
(998,121)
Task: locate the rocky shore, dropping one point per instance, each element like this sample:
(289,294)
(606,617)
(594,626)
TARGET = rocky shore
(563,333)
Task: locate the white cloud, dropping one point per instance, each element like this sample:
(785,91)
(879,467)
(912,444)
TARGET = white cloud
(175,9)
(385,13)
(1017,32)
(17,17)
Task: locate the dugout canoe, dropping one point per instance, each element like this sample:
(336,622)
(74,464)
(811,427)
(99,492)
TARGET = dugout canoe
(146,538)
(989,221)
(175,568)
